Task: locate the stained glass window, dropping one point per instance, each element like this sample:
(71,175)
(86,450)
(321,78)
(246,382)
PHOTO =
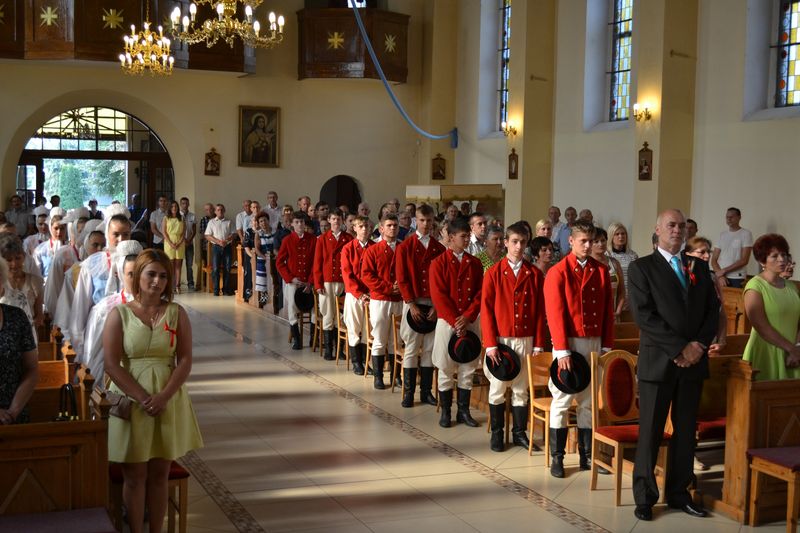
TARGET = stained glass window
(504,56)
(620,72)
(787,86)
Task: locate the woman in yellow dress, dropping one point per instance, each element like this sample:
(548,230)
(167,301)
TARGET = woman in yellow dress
(174,231)
(148,356)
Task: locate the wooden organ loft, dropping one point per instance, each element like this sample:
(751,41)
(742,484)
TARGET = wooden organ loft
(330,45)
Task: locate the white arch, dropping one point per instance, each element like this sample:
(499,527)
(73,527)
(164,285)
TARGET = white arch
(160,123)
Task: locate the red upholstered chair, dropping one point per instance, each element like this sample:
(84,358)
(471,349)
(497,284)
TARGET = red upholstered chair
(781,463)
(615,411)
(178,485)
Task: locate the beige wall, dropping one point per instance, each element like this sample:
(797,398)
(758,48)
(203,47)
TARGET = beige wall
(329,127)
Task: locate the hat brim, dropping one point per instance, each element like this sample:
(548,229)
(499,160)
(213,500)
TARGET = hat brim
(509,369)
(467,355)
(425,326)
(575,381)
(304,301)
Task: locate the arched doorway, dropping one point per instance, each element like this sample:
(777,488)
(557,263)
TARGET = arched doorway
(95,151)
(340,190)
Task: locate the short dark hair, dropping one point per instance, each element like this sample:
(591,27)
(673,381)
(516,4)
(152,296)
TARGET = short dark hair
(766,243)
(474,215)
(336,212)
(299,215)
(600,233)
(736,209)
(538,243)
(691,220)
(457,225)
(494,229)
(390,216)
(184,198)
(122,219)
(425,210)
(262,214)
(518,228)
(320,204)
(583,226)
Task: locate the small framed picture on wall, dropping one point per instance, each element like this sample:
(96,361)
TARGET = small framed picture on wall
(259,136)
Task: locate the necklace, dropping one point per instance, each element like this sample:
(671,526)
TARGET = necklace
(152,316)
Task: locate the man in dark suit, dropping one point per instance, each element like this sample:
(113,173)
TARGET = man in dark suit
(676,308)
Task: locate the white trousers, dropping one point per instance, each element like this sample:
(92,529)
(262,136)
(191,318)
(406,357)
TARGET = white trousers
(288,301)
(559,409)
(519,385)
(353,313)
(380,318)
(442,360)
(327,304)
(414,342)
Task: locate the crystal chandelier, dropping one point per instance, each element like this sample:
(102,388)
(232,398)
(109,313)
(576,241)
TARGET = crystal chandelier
(146,50)
(226,26)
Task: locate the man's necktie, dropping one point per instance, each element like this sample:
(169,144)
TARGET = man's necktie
(678,268)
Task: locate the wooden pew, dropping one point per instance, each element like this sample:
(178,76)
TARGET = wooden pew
(626,330)
(241,256)
(760,414)
(629,345)
(735,344)
(733,302)
(208,269)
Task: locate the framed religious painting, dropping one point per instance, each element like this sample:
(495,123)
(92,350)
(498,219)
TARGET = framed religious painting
(259,136)
(213,163)
(645,163)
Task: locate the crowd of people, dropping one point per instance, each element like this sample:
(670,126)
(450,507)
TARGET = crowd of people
(461,283)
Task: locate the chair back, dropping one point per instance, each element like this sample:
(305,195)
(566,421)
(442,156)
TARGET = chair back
(614,388)
(340,325)
(539,371)
(626,330)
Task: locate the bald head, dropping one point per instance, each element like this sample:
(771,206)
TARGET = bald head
(671,230)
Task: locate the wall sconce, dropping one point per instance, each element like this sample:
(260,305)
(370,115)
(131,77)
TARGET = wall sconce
(508,129)
(641,115)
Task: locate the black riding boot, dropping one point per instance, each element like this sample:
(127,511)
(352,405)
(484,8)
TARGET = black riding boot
(358,362)
(445,405)
(297,343)
(409,386)
(462,415)
(328,336)
(585,451)
(425,385)
(558,445)
(519,414)
(498,421)
(377,368)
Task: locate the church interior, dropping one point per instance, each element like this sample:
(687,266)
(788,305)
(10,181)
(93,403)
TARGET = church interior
(623,107)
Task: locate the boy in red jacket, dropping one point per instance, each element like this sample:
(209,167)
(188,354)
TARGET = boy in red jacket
(356,293)
(512,313)
(580,313)
(295,262)
(456,279)
(328,276)
(413,261)
(378,274)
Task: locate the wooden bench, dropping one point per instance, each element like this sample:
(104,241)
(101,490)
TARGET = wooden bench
(209,268)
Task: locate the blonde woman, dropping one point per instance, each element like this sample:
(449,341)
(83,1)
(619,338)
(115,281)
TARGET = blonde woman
(173,229)
(619,249)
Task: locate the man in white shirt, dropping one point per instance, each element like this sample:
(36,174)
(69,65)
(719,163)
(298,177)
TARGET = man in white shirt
(732,253)
(571,215)
(477,238)
(242,222)
(156,221)
(273,210)
(554,215)
(220,234)
(189,221)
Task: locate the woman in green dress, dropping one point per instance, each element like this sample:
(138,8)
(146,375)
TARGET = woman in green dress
(148,356)
(773,306)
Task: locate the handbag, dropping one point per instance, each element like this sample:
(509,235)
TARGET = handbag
(121,404)
(67,404)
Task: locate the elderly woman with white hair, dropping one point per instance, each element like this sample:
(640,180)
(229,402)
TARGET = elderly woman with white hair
(122,267)
(19,361)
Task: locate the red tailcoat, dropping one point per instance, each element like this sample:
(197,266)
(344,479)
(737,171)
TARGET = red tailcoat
(296,257)
(352,257)
(579,302)
(512,306)
(414,266)
(378,271)
(456,286)
(327,258)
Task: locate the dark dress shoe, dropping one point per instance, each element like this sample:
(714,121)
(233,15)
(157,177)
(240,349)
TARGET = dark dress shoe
(690,508)
(643,512)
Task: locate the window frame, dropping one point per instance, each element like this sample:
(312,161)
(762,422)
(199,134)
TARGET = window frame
(503,60)
(617,113)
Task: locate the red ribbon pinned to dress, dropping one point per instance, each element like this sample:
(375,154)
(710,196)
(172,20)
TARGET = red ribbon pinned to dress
(172,333)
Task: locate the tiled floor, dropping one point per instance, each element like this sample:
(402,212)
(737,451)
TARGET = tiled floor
(294,443)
